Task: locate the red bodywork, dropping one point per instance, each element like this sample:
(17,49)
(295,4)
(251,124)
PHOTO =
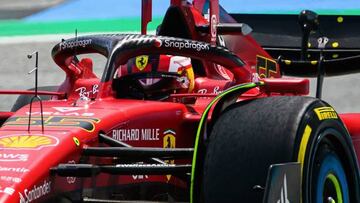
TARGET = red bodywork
(72,123)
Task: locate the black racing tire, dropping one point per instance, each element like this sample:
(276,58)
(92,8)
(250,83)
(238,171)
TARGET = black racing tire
(23,100)
(248,137)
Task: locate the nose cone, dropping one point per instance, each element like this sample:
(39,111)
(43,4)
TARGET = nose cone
(25,160)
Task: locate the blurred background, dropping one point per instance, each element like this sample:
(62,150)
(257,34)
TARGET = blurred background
(37,25)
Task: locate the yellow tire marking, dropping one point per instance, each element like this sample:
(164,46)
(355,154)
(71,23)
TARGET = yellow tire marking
(303,145)
(302,151)
(326,112)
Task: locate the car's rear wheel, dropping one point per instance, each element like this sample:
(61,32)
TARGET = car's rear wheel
(248,137)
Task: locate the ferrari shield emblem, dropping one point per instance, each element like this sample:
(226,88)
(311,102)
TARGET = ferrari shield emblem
(141,62)
(169,141)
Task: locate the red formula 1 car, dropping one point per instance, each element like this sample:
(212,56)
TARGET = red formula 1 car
(197,113)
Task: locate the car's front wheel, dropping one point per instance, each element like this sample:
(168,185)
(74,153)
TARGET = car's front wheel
(249,137)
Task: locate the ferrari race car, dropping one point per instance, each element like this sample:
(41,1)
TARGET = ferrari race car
(199,112)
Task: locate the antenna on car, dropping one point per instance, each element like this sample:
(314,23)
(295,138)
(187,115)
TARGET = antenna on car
(36,96)
(75,51)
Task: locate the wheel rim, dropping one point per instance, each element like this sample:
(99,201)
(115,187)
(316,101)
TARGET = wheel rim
(332,186)
(332,190)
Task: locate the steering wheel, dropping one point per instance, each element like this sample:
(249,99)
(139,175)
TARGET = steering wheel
(147,85)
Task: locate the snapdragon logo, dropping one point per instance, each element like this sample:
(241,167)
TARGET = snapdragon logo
(186,45)
(72,44)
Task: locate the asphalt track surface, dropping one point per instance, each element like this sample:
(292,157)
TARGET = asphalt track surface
(341,92)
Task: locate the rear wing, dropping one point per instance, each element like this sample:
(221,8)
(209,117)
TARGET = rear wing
(281,35)
(307,44)
(331,67)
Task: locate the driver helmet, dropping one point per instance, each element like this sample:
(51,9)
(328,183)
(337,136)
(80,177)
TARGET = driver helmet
(161,63)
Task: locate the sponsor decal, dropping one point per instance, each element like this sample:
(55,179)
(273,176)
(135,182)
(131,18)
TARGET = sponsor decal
(142,165)
(10,179)
(9,157)
(15,170)
(169,138)
(32,142)
(185,44)
(76,141)
(85,94)
(73,44)
(216,90)
(35,193)
(265,67)
(48,113)
(145,134)
(62,111)
(140,177)
(68,109)
(169,141)
(8,190)
(325,113)
(213,28)
(284,193)
(71,180)
(141,62)
(87,124)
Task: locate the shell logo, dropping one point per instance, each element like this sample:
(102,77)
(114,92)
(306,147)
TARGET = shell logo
(34,142)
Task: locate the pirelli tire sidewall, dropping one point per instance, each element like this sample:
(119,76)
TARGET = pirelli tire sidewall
(313,131)
(249,136)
